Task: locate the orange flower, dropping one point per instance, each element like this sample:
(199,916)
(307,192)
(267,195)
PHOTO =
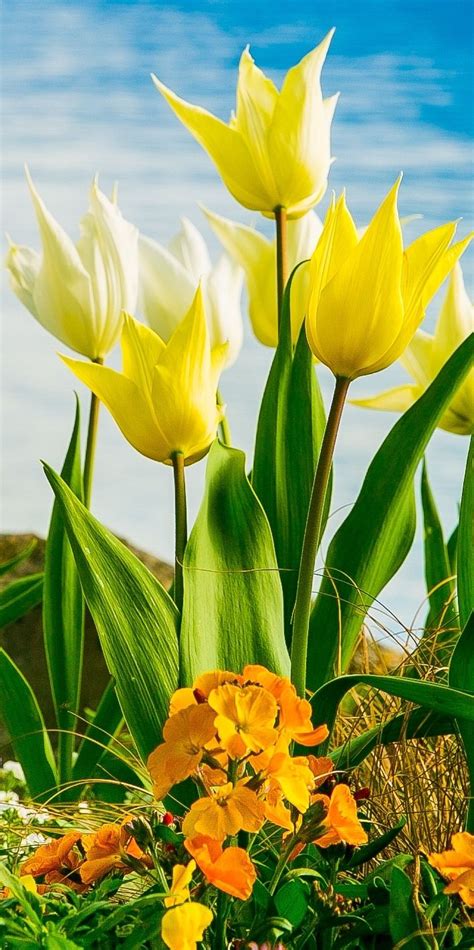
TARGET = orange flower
(245,718)
(292,775)
(185,734)
(182,927)
(341,821)
(202,686)
(275,809)
(321,768)
(225,812)
(295,719)
(231,870)
(179,890)
(457,866)
(260,676)
(105,850)
(56,856)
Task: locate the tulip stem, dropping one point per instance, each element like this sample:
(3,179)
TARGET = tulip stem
(91,444)
(224,427)
(312,539)
(181,530)
(281,255)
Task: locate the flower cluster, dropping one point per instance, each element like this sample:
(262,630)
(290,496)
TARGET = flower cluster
(457,866)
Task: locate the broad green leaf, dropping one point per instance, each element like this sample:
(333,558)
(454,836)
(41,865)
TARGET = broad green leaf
(457,703)
(289,433)
(291,901)
(465,559)
(134,616)
(63,612)
(22,555)
(461,676)
(24,722)
(368,851)
(418,724)
(99,733)
(375,538)
(19,597)
(403,918)
(233,603)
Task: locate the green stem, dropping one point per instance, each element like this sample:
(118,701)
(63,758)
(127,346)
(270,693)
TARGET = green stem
(224,427)
(312,538)
(91,444)
(181,530)
(221,922)
(281,255)
(282,862)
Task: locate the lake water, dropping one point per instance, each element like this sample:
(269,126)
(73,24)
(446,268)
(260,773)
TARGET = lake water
(78,99)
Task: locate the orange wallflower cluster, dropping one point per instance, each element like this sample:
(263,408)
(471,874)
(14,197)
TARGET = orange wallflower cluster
(457,866)
(233,734)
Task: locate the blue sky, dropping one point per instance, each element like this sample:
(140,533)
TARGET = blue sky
(78,99)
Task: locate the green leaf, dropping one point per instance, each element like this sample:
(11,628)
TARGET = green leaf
(24,722)
(19,597)
(63,612)
(461,676)
(291,902)
(402,915)
(23,555)
(368,851)
(233,603)
(375,538)
(289,433)
(134,616)
(442,623)
(465,557)
(442,699)
(418,724)
(99,733)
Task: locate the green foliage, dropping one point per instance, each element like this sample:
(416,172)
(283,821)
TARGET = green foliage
(19,597)
(135,618)
(23,555)
(289,434)
(233,604)
(22,716)
(375,538)
(442,623)
(63,613)
(465,558)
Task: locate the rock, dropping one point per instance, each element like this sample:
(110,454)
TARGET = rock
(23,640)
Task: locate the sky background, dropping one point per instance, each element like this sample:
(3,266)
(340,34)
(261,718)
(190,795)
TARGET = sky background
(78,99)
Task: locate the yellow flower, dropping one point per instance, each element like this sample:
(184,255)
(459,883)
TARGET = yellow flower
(457,866)
(224,812)
(169,277)
(341,822)
(368,296)
(78,291)
(183,927)
(275,151)
(164,400)
(256,254)
(179,891)
(425,356)
(295,714)
(291,775)
(185,734)
(245,718)
(230,870)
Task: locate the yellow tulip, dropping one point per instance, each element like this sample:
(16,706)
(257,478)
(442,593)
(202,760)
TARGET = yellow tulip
(78,291)
(368,295)
(164,400)
(256,254)
(183,927)
(425,356)
(275,151)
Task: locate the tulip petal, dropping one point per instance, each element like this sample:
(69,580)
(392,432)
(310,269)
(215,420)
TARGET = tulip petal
(62,294)
(299,138)
(398,399)
(166,288)
(455,322)
(141,350)
(125,403)
(222,289)
(189,248)
(257,256)
(360,311)
(257,97)
(417,358)
(225,146)
(23,264)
